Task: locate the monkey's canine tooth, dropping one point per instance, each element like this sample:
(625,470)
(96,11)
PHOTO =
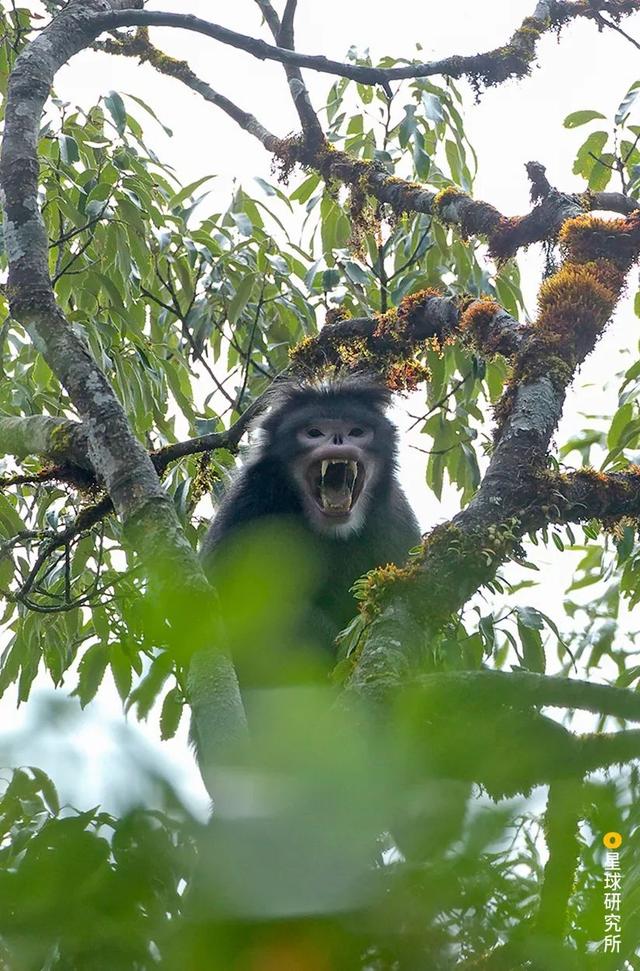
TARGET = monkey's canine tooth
(325,466)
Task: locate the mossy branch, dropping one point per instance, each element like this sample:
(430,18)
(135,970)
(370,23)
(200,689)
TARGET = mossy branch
(513,59)
(120,461)
(55,439)
(505,235)
(138,45)
(524,689)
(575,305)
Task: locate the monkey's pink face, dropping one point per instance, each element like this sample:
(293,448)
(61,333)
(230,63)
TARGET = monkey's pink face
(335,473)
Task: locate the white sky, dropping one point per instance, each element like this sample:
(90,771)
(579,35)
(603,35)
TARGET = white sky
(511,125)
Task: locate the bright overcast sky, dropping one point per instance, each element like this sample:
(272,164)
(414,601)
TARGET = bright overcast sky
(512,124)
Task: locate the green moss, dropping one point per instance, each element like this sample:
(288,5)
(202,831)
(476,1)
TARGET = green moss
(204,479)
(475,323)
(393,349)
(61,440)
(589,238)
(445,197)
(576,302)
(393,181)
(381,584)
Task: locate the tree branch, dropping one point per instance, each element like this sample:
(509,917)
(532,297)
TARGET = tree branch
(65,442)
(139,46)
(561,822)
(423,316)
(605,751)
(523,689)
(119,459)
(283,36)
(56,439)
(513,59)
(504,234)
(575,305)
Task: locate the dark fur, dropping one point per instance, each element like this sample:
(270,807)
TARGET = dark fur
(264,488)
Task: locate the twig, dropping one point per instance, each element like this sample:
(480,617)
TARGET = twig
(613,26)
(283,36)
(140,47)
(74,258)
(176,310)
(454,387)
(65,237)
(249,351)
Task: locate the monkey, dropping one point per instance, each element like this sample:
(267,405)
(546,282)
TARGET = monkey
(325,464)
(323,474)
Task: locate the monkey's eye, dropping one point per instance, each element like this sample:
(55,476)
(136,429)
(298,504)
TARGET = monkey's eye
(314,433)
(356,433)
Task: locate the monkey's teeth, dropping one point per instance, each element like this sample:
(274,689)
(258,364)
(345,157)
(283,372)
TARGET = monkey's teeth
(325,466)
(353,467)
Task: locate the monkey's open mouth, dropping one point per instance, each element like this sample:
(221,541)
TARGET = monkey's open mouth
(336,485)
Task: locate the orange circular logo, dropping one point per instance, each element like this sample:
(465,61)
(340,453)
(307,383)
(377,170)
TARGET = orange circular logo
(612,840)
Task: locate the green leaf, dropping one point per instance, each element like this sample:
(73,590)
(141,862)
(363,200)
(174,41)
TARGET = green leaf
(47,788)
(150,111)
(120,670)
(432,106)
(273,190)
(69,151)
(243,223)
(435,474)
(585,581)
(144,695)
(619,425)
(110,288)
(554,627)
(172,708)
(7,570)
(487,629)
(589,153)
(306,189)
(91,672)
(188,191)
(530,617)
(131,215)
(602,172)
(356,273)
(116,108)
(241,297)
(10,521)
(626,544)
(335,228)
(330,279)
(533,656)
(625,105)
(577,118)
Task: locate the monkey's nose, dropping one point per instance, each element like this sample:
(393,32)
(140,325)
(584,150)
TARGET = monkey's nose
(337,439)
